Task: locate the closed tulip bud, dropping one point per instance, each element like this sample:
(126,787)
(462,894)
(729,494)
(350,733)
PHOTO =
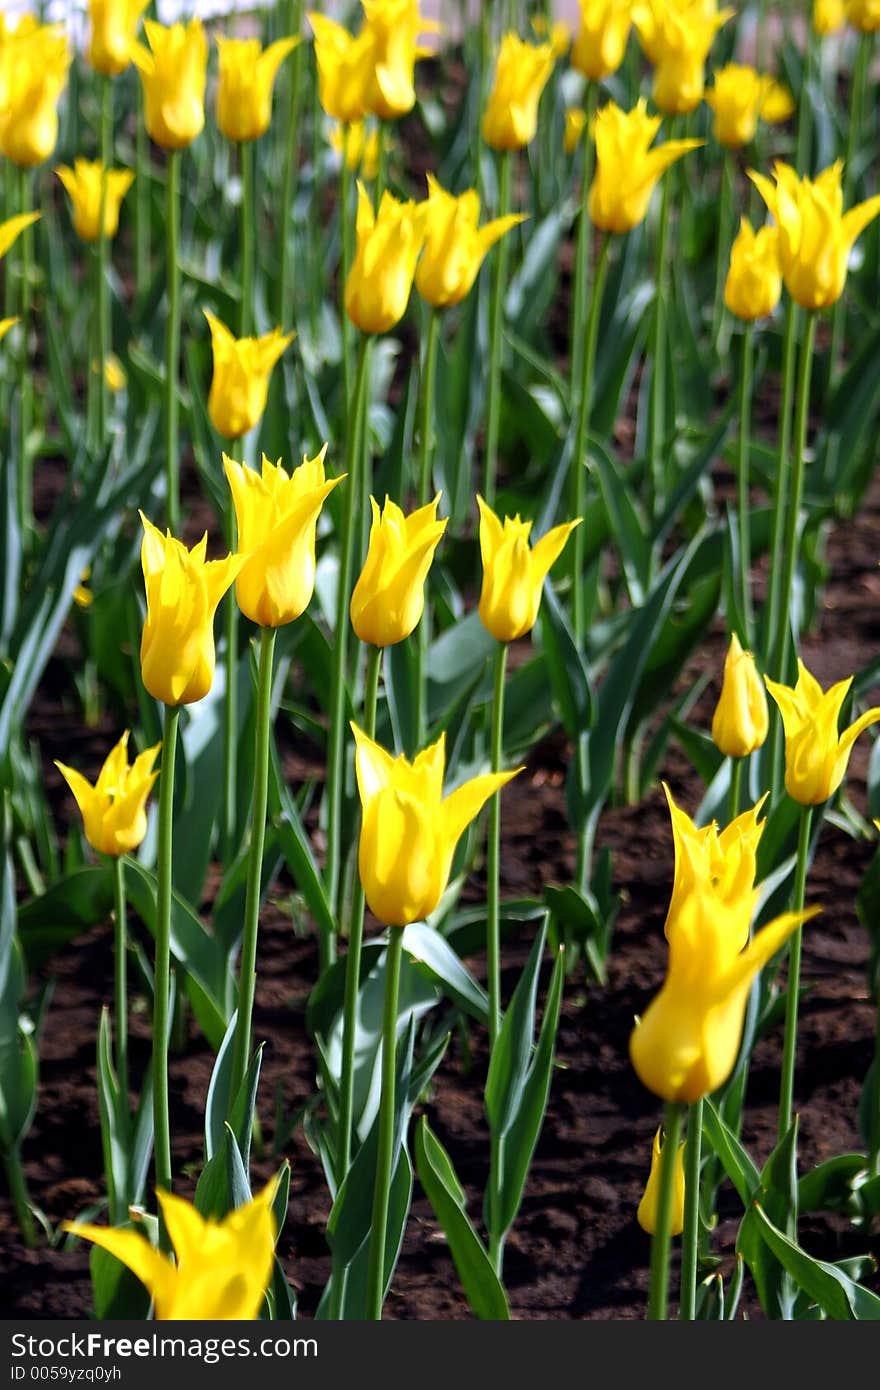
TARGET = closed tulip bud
(815,235)
(454,245)
(676,36)
(725,861)
(34,62)
(113,25)
(344,68)
(183,590)
(393,28)
(240,382)
(389,595)
(514,572)
(83,185)
(647,1210)
(600,42)
(409,830)
(277,515)
(380,280)
(828,16)
(358,146)
(863,15)
(739,98)
(816,754)
(222,1268)
(754,280)
(575,125)
(11,229)
(173,74)
(740,721)
(627,170)
(510,118)
(244,91)
(114,809)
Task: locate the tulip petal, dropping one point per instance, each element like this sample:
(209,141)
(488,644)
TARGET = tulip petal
(373,766)
(150,1266)
(467,801)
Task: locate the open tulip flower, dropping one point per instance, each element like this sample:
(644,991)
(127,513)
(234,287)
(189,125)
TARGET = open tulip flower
(113,26)
(627,169)
(522,71)
(676,36)
(454,245)
(277,515)
(83,184)
(222,1268)
(11,229)
(863,15)
(754,280)
(514,572)
(409,830)
(34,62)
(389,596)
(647,1209)
(378,286)
(816,754)
(244,89)
(828,16)
(114,809)
(739,98)
(600,42)
(725,860)
(393,28)
(358,147)
(173,74)
(240,383)
(815,235)
(344,68)
(740,722)
(183,590)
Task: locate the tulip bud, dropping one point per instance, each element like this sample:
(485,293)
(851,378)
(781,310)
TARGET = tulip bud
(863,15)
(647,1211)
(173,73)
(240,383)
(34,62)
(740,721)
(514,573)
(389,595)
(816,754)
(739,98)
(83,184)
(113,25)
(114,809)
(380,280)
(600,43)
(676,36)
(754,280)
(575,125)
(244,91)
(392,29)
(627,170)
(510,119)
(358,147)
(344,68)
(454,246)
(828,16)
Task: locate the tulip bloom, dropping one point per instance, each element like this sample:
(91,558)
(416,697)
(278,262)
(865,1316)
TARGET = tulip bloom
(627,170)
(113,26)
(647,1210)
(815,235)
(863,15)
(358,147)
(600,43)
(409,830)
(754,281)
(740,722)
(173,73)
(725,860)
(183,590)
(114,809)
(83,184)
(816,755)
(343,63)
(222,1268)
(514,574)
(454,245)
(575,124)
(11,229)
(240,383)
(378,286)
(828,16)
(392,28)
(676,36)
(244,91)
(389,596)
(740,97)
(35,62)
(521,74)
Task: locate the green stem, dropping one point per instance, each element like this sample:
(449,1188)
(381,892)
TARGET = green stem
(142,201)
(493,851)
(789,1044)
(736,769)
(742,480)
(10,207)
(248,216)
(345,229)
(230,709)
(857,103)
(579,458)
(25,379)
(874,1146)
(805,107)
(291,164)
(496,340)
(172,338)
(783,462)
(120,983)
(385,1153)
(381,163)
(722,248)
(582,250)
(19,1195)
(103,246)
(658,1293)
(248,968)
(426,430)
(657,399)
(691,1232)
(162,982)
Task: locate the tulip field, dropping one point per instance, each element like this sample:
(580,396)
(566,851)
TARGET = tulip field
(440,660)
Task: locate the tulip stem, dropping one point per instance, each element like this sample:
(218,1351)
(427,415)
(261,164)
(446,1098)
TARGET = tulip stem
(857,103)
(248,968)
(493,851)
(385,1152)
(230,712)
(691,1232)
(803,163)
(582,250)
(381,163)
(426,429)
(580,456)
(658,1293)
(722,248)
(291,163)
(162,982)
(120,982)
(783,450)
(345,234)
(248,211)
(25,381)
(657,398)
(172,338)
(102,305)
(736,770)
(496,341)
(789,1045)
(19,1194)
(142,201)
(742,481)
(874,1131)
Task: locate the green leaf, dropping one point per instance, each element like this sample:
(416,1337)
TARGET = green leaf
(565,665)
(430,950)
(508,1065)
(836,1294)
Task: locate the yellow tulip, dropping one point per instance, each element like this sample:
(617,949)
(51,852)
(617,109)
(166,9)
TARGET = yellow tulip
(575,125)
(114,809)
(726,860)
(34,63)
(222,1268)
(173,74)
(113,25)
(454,245)
(380,280)
(676,36)
(244,89)
(600,42)
(277,514)
(754,280)
(83,185)
(183,590)
(358,147)
(389,595)
(5,325)
(740,721)
(82,594)
(11,229)
(558,33)
(627,170)
(344,68)
(647,1210)
(392,28)
(828,16)
(514,573)
(510,118)
(409,830)
(816,754)
(815,235)
(739,98)
(114,374)
(863,15)
(240,382)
